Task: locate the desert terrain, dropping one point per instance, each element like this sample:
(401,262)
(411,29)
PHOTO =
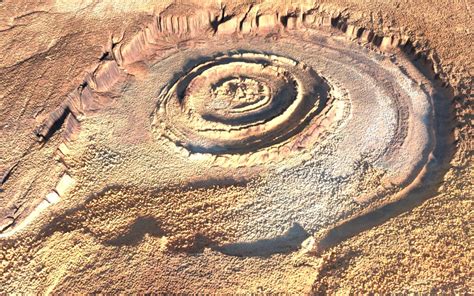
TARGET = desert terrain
(300,147)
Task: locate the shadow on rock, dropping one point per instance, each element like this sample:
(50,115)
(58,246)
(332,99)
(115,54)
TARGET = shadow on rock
(137,231)
(288,242)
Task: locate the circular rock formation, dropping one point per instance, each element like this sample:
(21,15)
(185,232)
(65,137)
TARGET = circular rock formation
(347,122)
(253,130)
(316,127)
(242,103)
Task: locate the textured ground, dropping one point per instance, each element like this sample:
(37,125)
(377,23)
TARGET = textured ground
(141,215)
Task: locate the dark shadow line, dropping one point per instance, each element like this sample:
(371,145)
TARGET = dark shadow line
(288,242)
(136,232)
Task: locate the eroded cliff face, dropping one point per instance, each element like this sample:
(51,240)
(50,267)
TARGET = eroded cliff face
(227,147)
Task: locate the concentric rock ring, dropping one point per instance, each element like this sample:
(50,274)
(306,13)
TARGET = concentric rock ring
(241,103)
(349,114)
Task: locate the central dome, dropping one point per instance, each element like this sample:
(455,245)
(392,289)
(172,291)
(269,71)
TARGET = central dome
(241,103)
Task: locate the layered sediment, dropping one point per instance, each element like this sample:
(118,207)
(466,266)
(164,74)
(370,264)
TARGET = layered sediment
(303,101)
(245,132)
